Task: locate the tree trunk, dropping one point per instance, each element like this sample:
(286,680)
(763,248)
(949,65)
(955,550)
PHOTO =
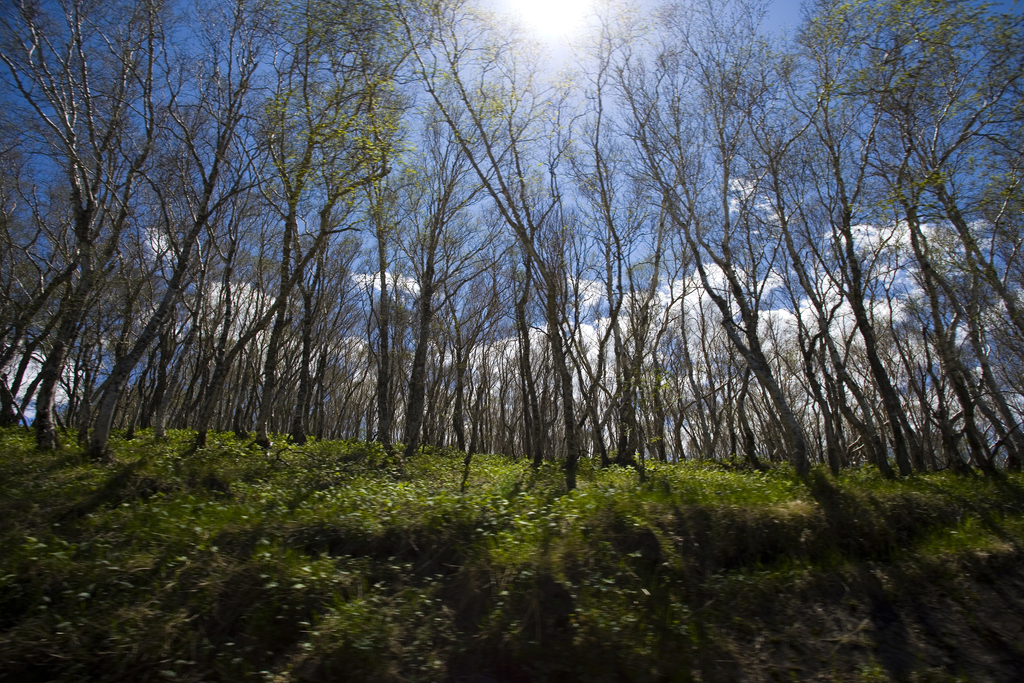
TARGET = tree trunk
(385,410)
(944,344)
(749,347)
(159,419)
(458,409)
(573,448)
(49,374)
(302,399)
(659,414)
(417,379)
(268,395)
(476,419)
(531,405)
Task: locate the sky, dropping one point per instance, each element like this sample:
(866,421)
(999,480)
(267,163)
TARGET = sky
(551,18)
(786,14)
(554,21)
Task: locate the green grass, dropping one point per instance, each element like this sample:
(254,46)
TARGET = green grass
(338,561)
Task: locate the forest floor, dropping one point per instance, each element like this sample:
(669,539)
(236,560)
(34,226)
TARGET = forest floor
(338,562)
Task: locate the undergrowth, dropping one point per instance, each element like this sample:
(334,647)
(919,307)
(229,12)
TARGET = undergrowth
(340,561)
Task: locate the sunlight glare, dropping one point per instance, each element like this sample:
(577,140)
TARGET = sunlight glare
(551,18)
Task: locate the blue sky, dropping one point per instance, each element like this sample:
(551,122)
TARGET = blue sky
(785,14)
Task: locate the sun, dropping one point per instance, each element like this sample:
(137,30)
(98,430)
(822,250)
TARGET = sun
(550,18)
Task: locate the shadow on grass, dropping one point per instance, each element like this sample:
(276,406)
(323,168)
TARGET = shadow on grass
(109,494)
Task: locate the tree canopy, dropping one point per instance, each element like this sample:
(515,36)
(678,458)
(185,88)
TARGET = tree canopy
(396,221)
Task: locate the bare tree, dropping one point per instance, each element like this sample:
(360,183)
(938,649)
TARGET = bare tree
(488,90)
(329,128)
(439,194)
(85,75)
(691,120)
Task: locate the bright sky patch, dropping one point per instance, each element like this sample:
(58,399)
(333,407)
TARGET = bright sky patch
(551,18)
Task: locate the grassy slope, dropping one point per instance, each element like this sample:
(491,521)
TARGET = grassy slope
(334,562)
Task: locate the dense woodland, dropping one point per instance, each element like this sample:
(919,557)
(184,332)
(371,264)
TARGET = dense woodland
(396,221)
